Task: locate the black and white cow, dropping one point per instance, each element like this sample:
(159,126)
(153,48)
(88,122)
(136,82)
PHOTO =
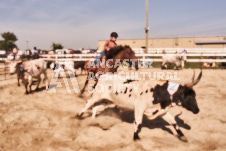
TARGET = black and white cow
(151,98)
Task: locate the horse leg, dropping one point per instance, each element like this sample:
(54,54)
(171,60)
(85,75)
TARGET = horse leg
(95,83)
(18,79)
(130,66)
(87,80)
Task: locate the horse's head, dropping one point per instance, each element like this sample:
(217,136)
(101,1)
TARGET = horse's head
(123,53)
(131,55)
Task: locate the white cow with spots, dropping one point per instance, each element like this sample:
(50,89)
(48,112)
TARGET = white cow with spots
(150,98)
(28,70)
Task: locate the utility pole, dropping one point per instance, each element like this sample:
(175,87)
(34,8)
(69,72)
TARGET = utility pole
(27,43)
(146,27)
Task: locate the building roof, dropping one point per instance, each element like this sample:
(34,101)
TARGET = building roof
(210,42)
(151,38)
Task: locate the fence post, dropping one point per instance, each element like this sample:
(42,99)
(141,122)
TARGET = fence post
(5,70)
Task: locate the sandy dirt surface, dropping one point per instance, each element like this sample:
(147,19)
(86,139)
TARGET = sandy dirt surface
(46,121)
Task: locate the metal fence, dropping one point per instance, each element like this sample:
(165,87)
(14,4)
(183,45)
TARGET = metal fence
(4,73)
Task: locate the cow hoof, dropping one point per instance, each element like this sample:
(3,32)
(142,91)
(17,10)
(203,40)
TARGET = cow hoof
(163,68)
(26,92)
(183,138)
(136,137)
(79,115)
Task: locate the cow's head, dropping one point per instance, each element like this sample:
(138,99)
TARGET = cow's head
(183,57)
(13,66)
(186,95)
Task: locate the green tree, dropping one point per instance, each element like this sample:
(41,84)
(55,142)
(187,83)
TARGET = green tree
(9,41)
(57,46)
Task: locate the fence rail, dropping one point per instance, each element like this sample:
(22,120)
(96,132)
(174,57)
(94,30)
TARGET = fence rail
(2,59)
(217,55)
(4,74)
(189,50)
(142,57)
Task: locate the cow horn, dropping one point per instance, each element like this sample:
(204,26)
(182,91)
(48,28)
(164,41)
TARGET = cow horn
(193,77)
(194,82)
(198,79)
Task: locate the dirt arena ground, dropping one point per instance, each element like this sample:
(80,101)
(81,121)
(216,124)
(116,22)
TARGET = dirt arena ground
(46,121)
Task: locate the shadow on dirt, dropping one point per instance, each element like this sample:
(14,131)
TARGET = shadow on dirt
(128,116)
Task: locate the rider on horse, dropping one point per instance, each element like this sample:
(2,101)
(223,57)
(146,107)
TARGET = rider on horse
(107,46)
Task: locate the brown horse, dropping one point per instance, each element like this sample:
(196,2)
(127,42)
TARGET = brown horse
(114,56)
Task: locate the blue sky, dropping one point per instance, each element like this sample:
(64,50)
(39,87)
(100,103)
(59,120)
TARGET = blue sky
(81,23)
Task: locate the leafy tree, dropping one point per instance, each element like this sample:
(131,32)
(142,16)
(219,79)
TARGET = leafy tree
(9,41)
(57,46)
(8,36)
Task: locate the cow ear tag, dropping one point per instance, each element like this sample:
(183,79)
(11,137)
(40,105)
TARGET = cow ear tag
(172,87)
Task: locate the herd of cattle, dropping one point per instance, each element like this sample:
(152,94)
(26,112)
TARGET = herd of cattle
(32,69)
(152,98)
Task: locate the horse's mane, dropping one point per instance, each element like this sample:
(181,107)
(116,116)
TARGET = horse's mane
(114,51)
